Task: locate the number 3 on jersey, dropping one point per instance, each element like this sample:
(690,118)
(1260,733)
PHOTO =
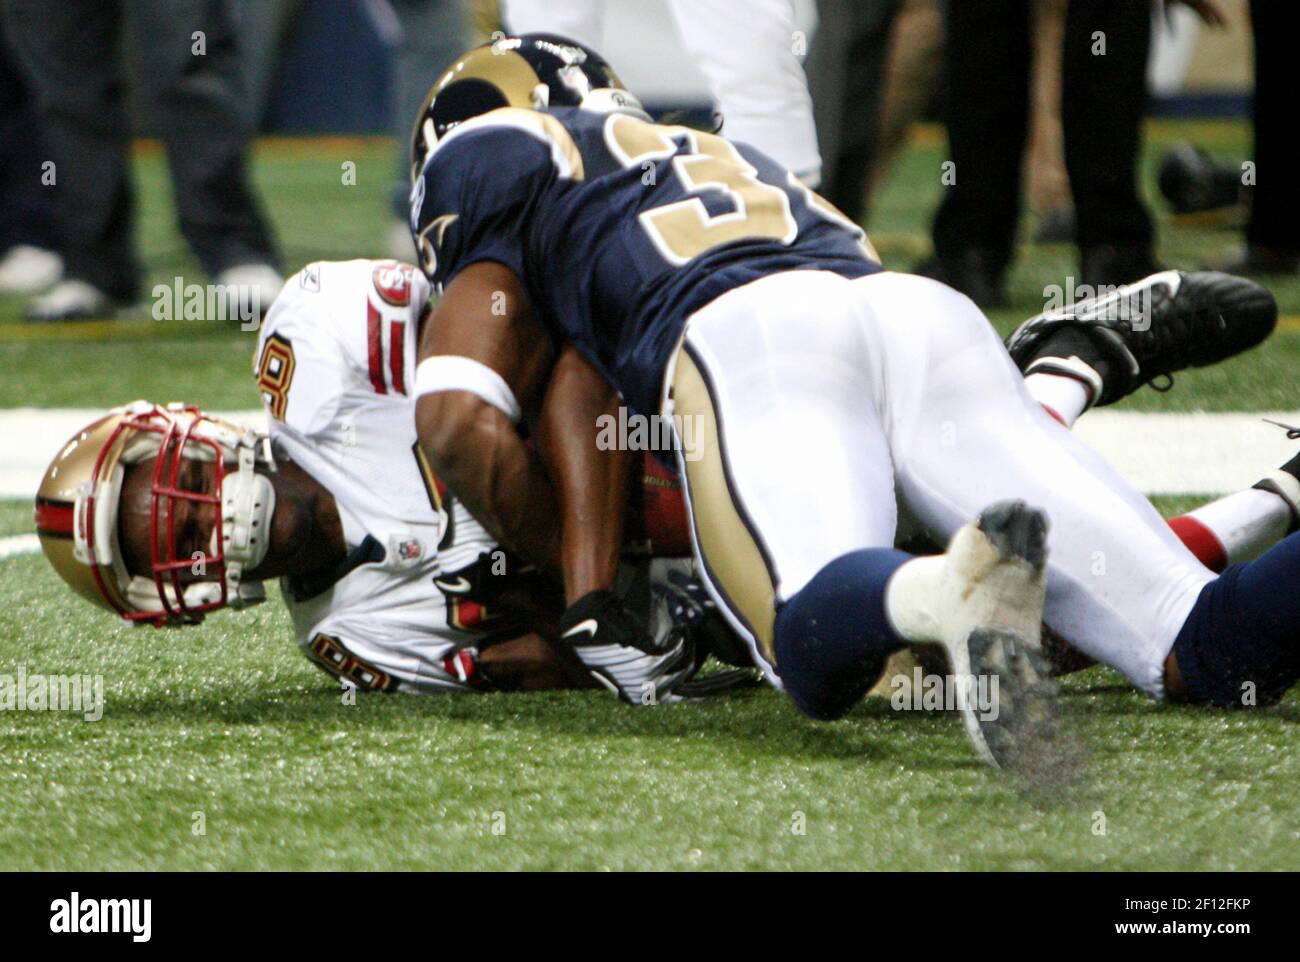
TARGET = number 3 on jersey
(683,230)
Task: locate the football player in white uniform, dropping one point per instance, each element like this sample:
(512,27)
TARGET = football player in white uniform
(335,356)
(391,583)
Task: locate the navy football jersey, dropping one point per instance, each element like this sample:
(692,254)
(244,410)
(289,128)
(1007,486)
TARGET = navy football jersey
(620,228)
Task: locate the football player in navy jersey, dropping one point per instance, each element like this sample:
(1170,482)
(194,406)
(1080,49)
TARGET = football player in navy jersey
(591,259)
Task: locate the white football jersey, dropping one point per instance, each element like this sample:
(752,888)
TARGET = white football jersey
(335,364)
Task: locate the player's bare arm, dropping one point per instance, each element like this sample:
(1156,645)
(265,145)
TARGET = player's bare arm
(592,484)
(466,424)
(485,317)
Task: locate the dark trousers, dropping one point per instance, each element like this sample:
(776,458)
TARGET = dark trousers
(434,34)
(27,206)
(988,58)
(846,67)
(76,52)
(1275,198)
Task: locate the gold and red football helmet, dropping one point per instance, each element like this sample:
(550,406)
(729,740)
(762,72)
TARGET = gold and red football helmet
(77,512)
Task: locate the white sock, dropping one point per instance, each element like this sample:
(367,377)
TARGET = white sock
(1246,523)
(940,598)
(910,599)
(1065,398)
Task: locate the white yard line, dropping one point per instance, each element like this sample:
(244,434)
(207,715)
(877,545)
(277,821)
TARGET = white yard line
(1192,454)
(18,544)
(31,437)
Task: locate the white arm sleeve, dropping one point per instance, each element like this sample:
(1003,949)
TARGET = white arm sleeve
(447,372)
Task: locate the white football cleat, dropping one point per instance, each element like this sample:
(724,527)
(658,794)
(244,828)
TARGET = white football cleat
(29,270)
(983,601)
(251,287)
(71,300)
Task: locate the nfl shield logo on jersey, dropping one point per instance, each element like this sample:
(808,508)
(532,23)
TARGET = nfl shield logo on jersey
(407,551)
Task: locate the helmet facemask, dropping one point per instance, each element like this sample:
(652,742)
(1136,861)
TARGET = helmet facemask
(241,502)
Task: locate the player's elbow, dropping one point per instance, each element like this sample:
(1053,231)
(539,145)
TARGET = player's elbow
(448,425)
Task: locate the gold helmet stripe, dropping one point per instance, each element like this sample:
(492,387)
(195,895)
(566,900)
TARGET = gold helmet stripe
(505,70)
(544,127)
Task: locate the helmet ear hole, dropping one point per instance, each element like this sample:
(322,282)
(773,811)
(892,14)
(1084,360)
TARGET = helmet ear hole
(422,143)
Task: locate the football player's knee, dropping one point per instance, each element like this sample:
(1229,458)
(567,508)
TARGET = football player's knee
(826,695)
(832,639)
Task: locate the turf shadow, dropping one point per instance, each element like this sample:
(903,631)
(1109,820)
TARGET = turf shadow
(754,723)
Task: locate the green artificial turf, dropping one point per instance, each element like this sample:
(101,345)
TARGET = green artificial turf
(227,728)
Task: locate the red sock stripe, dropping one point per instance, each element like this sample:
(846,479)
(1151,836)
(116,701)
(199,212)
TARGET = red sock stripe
(1057,417)
(1201,541)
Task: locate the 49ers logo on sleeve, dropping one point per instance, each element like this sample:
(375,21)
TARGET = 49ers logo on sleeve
(393,282)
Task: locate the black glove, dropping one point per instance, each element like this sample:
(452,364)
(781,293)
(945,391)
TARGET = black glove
(615,647)
(489,577)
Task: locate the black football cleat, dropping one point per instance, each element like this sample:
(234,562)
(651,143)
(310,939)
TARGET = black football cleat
(1194,182)
(1146,331)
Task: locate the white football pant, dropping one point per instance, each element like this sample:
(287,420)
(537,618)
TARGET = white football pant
(813,407)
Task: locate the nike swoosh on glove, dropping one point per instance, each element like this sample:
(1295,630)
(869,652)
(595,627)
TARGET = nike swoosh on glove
(615,647)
